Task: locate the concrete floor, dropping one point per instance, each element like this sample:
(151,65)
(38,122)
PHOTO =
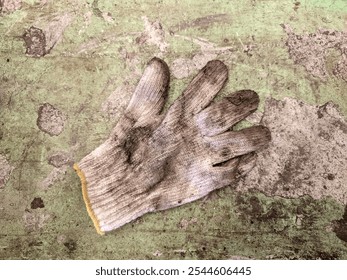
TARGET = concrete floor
(67,70)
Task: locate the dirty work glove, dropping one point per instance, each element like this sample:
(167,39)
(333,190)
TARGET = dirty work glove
(154,161)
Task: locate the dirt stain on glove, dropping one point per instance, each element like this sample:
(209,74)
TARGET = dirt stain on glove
(154,161)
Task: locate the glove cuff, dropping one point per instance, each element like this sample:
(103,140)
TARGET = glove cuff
(87,200)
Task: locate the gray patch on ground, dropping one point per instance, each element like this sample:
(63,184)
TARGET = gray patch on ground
(312,51)
(56,175)
(153,34)
(307,155)
(5,171)
(60,159)
(50,119)
(35,42)
(35,220)
(9,6)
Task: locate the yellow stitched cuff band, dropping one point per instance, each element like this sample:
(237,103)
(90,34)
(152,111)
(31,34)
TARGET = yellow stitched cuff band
(86,199)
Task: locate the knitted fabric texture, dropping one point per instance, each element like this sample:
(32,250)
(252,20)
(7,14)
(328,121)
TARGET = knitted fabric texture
(153,161)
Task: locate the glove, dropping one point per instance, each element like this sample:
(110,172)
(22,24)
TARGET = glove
(154,161)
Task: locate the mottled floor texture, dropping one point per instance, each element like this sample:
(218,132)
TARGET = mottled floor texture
(67,71)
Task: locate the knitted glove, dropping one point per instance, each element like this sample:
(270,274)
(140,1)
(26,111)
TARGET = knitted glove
(154,161)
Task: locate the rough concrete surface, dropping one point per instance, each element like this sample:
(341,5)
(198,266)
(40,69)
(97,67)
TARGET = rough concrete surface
(5,171)
(67,70)
(301,161)
(311,50)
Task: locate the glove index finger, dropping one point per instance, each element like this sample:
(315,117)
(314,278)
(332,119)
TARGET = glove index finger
(222,115)
(205,86)
(147,100)
(151,91)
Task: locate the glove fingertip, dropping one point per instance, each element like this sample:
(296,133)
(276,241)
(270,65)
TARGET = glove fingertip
(151,92)
(161,64)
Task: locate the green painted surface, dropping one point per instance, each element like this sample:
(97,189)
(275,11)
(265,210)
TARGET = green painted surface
(81,71)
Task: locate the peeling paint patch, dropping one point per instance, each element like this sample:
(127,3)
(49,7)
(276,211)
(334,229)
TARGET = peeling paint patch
(35,41)
(35,219)
(50,119)
(5,171)
(307,155)
(9,6)
(154,34)
(311,51)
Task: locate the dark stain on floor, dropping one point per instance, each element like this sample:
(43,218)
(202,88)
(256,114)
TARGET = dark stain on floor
(313,51)
(71,245)
(37,203)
